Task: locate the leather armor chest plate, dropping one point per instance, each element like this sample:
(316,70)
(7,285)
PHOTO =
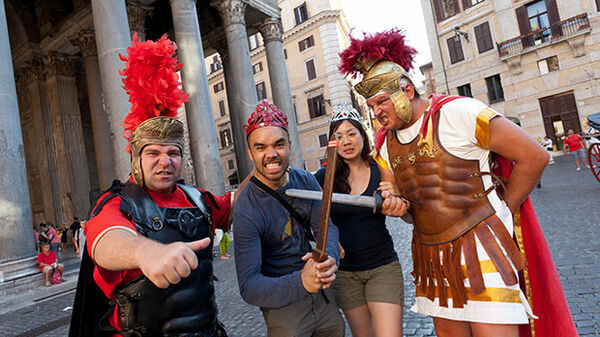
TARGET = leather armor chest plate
(446,193)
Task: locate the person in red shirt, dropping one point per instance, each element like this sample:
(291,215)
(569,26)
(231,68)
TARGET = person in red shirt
(148,241)
(48,263)
(577,147)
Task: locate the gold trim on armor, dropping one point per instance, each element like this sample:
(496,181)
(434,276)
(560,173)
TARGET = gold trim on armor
(482,129)
(488,295)
(381,162)
(487,266)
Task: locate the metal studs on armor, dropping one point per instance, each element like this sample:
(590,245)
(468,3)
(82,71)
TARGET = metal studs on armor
(156,223)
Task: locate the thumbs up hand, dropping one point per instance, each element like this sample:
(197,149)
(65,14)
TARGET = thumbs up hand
(167,264)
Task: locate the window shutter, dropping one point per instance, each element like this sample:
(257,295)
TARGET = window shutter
(311,108)
(439,13)
(459,52)
(311,41)
(524,27)
(310,69)
(598,5)
(451,50)
(553,17)
(483,37)
(456,8)
(466,4)
(301,45)
(297,15)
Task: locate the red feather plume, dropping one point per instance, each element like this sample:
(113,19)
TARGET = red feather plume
(151,81)
(389,45)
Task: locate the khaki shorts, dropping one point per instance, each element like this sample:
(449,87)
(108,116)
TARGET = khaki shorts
(47,269)
(382,284)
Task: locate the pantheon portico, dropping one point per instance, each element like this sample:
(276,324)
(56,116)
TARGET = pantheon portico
(62,98)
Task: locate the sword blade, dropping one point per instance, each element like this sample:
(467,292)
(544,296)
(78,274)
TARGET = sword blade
(338,198)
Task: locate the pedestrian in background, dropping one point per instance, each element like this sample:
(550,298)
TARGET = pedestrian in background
(549,146)
(577,147)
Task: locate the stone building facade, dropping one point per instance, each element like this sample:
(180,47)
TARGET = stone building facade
(62,98)
(534,60)
(314,33)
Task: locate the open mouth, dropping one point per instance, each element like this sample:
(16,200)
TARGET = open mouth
(273,167)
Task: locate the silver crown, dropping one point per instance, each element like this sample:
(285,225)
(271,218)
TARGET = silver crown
(345,111)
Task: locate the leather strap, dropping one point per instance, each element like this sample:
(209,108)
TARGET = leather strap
(305,223)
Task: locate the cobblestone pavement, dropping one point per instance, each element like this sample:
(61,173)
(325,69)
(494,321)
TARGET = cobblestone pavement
(568,208)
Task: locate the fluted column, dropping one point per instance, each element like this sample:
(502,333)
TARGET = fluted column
(201,124)
(15,209)
(112,37)
(66,119)
(40,155)
(86,42)
(232,12)
(137,14)
(272,33)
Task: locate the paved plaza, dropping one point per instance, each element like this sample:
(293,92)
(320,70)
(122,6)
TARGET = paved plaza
(568,206)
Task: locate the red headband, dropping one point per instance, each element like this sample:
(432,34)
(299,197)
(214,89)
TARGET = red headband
(266,114)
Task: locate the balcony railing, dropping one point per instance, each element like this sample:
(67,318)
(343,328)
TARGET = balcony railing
(561,29)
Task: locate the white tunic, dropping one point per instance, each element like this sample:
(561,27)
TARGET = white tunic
(457,134)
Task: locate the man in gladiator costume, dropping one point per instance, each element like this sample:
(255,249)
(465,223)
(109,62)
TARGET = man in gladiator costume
(465,262)
(149,240)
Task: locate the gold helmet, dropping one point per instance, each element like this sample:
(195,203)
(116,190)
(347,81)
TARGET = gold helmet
(383,59)
(153,86)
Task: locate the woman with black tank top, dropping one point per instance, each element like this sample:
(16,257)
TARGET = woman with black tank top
(369,285)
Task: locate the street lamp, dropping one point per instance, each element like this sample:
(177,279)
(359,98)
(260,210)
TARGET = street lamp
(458,33)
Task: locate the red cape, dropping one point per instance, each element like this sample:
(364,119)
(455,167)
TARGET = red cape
(547,296)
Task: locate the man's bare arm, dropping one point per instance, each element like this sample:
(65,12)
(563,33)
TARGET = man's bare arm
(512,142)
(163,264)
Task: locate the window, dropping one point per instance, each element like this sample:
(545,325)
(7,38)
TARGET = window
(301,13)
(215,65)
(306,43)
(446,8)
(547,65)
(316,106)
(323,140)
(253,41)
(230,164)
(225,136)
(538,20)
(494,87)
(470,3)
(311,72)
(465,90)
(257,68)
(483,37)
(261,91)
(222,108)
(455,49)
(598,5)
(285,51)
(218,87)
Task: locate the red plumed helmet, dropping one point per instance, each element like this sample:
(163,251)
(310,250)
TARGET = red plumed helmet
(151,81)
(389,45)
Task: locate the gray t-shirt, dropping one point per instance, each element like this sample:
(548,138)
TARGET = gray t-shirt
(269,243)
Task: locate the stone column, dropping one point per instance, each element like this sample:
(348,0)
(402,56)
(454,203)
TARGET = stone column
(16,235)
(42,172)
(232,12)
(112,38)
(137,14)
(100,127)
(66,120)
(200,120)
(272,33)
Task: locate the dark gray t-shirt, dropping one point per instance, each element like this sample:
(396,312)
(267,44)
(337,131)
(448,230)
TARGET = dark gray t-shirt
(269,243)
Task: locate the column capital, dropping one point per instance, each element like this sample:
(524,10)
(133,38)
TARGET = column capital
(232,11)
(57,64)
(33,70)
(271,29)
(137,13)
(86,41)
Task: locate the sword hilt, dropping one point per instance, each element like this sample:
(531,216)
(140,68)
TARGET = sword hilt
(378,202)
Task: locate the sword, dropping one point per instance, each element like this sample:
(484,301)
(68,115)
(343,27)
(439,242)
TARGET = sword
(373,202)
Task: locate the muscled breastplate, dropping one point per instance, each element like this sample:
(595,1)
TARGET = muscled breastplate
(446,193)
(184,309)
